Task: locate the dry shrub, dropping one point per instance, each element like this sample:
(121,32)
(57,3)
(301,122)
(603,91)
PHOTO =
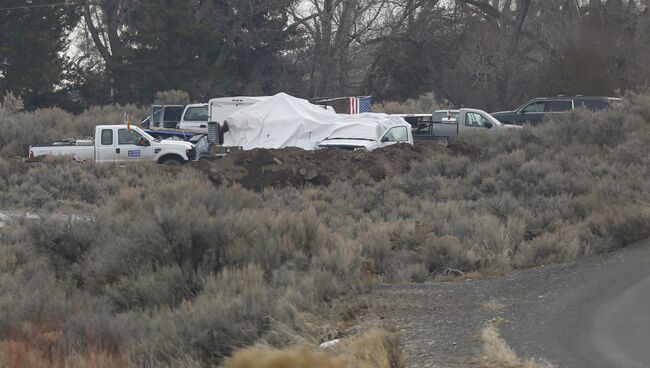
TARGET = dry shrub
(11,103)
(622,225)
(26,354)
(561,246)
(107,115)
(172,97)
(376,348)
(448,252)
(424,104)
(497,353)
(264,357)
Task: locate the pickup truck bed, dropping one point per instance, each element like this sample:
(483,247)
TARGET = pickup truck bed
(80,153)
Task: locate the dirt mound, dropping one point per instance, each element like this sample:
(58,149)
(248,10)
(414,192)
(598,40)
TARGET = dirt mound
(260,168)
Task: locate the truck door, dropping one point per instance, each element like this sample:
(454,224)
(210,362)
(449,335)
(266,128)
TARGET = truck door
(105,148)
(171,116)
(533,112)
(395,135)
(474,120)
(132,146)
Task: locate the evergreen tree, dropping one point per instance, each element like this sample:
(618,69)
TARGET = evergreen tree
(32,45)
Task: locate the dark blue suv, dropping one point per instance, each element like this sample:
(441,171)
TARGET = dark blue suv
(536,109)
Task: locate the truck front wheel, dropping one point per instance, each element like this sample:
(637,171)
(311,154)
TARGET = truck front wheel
(170,161)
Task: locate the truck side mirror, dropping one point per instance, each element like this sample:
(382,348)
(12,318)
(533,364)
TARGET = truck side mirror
(488,124)
(384,139)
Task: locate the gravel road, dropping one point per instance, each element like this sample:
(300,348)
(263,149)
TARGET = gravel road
(590,313)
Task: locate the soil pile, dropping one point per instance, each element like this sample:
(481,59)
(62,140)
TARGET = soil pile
(260,168)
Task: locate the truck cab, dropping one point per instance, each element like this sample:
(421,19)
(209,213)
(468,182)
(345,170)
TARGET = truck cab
(163,116)
(118,143)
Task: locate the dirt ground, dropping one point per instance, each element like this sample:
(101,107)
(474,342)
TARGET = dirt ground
(260,168)
(294,167)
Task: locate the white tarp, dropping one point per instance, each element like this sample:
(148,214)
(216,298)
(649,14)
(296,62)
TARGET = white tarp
(277,122)
(364,126)
(286,121)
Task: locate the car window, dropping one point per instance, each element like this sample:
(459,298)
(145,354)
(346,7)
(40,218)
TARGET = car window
(558,105)
(128,137)
(397,134)
(173,113)
(534,107)
(156,115)
(593,104)
(444,117)
(107,137)
(473,119)
(196,114)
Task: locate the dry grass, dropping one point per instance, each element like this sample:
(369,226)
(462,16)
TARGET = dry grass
(265,357)
(497,353)
(33,354)
(374,349)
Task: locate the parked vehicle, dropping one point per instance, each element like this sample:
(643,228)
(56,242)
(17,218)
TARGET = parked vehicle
(220,108)
(285,121)
(217,110)
(423,123)
(195,118)
(117,144)
(535,110)
(369,131)
(163,116)
(449,124)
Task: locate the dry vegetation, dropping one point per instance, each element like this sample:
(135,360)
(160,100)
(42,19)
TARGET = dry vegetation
(173,269)
(424,104)
(497,353)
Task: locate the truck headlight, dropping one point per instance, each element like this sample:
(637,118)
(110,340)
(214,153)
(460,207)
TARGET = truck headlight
(191,153)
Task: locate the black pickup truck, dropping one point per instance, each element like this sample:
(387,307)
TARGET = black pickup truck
(536,109)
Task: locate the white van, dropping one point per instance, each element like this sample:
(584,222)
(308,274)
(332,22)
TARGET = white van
(195,118)
(220,108)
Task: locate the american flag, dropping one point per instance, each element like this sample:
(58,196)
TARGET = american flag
(358,105)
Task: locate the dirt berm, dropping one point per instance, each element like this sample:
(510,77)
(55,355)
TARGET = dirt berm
(260,168)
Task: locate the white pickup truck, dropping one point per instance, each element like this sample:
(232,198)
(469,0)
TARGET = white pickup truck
(367,132)
(118,144)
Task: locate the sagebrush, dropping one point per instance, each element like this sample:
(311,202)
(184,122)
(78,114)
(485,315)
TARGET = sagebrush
(164,266)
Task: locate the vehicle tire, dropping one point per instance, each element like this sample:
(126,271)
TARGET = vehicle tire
(171,162)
